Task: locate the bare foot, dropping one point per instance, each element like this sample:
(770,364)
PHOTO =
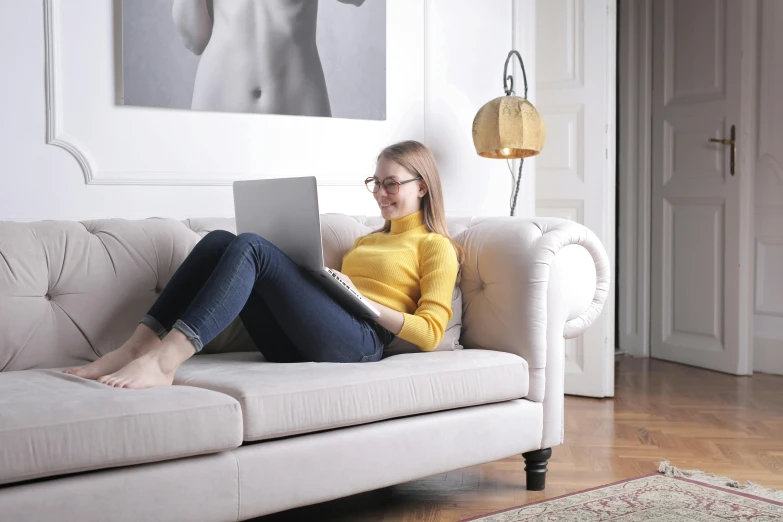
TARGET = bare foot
(142,341)
(156,367)
(144,372)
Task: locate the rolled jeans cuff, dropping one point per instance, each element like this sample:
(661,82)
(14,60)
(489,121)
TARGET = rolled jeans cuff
(154,325)
(188,332)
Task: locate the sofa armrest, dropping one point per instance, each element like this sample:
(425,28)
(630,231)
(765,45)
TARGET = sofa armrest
(527,284)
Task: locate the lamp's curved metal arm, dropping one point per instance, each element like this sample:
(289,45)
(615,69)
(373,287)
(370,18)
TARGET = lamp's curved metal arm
(508,78)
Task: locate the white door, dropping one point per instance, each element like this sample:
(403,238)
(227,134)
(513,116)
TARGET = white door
(700,309)
(575,175)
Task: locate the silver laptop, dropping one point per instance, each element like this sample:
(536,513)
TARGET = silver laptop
(284,211)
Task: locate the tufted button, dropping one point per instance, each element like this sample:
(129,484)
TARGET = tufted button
(158,290)
(48,297)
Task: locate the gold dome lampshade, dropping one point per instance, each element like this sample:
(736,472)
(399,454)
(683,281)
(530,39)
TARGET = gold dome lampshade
(508,127)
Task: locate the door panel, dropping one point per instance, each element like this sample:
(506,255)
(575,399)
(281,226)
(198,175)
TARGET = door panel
(695,275)
(575,63)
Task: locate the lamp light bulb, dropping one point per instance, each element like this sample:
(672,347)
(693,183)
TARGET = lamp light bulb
(506,151)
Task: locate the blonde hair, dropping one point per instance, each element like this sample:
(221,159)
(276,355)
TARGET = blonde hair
(417,159)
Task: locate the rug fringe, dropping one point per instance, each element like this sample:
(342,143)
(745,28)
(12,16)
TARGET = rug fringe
(750,488)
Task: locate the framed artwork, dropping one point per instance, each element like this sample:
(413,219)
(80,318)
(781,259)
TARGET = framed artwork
(321,58)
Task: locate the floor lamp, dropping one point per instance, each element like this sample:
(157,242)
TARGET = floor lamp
(509,126)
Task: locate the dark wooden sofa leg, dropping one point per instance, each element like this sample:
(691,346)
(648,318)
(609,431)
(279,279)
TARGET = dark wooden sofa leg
(535,468)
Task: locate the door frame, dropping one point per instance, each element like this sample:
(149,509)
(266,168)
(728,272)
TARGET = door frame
(634,181)
(610,215)
(634,176)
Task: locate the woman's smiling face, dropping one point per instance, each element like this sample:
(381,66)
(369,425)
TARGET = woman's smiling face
(407,200)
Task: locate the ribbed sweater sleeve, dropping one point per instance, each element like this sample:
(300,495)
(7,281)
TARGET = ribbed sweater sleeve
(439,266)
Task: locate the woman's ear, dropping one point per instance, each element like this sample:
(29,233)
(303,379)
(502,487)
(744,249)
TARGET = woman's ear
(423,189)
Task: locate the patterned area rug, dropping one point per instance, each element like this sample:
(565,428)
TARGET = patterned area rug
(668,496)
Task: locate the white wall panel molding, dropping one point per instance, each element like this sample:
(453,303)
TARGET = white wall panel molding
(121,145)
(54,132)
(565,132)
(564,68)
(573,209)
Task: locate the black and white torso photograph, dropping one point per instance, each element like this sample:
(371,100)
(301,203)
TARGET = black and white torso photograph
(291,57)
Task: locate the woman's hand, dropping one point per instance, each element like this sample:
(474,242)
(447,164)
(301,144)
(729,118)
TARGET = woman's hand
(347,280)
(390,319)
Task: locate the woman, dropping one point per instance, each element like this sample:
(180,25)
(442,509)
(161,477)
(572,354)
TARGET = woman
(407,270)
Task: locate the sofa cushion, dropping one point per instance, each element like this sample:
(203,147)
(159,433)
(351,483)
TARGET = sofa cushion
(281,399)
(53,423)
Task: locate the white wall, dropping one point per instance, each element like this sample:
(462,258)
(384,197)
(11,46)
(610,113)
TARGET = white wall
(444,60)
(768,320)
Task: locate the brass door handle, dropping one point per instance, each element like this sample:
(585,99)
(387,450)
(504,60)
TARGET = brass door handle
(732,142)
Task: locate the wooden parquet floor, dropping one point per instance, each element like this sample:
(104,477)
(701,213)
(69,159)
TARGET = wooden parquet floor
(697,419)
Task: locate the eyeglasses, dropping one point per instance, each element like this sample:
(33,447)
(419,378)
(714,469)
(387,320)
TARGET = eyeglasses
(390,185)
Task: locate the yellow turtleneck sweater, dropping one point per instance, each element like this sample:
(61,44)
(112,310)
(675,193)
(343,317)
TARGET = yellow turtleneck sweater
(410,270)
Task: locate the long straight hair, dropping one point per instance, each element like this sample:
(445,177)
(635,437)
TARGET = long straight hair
(417,159)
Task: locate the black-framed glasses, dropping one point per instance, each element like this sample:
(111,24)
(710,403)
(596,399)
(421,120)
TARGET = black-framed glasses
(390,185)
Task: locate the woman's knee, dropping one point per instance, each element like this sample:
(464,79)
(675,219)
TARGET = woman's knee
(251,239)
(255,247)
(219,236)
(218,239)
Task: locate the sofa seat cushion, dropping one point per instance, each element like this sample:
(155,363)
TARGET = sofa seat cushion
(282,399)
(52,423)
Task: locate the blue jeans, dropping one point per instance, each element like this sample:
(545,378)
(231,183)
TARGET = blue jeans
(286,312)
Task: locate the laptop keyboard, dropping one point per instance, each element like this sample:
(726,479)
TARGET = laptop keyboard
(354,292)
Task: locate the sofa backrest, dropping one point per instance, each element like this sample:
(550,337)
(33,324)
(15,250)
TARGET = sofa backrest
(73,291)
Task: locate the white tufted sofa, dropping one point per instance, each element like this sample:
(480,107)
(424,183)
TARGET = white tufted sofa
(237,437)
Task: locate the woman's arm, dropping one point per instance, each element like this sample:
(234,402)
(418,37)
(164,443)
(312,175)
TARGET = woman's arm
(193,22)
(439,266)
(390,319)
